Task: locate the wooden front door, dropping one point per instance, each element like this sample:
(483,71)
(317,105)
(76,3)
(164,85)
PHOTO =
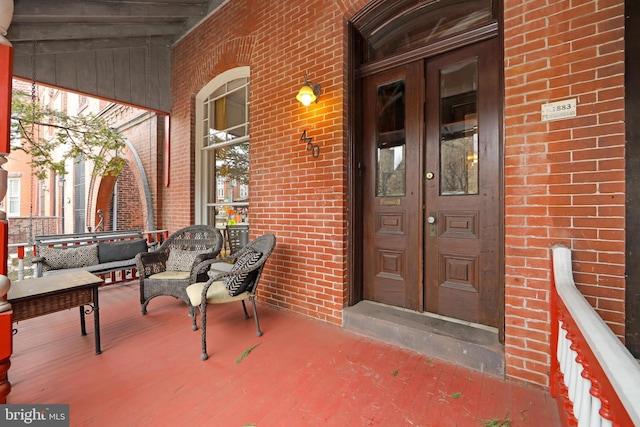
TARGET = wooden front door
(431,202)
(462,236)
(392,189)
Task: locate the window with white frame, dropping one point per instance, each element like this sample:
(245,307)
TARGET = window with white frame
(13,197)
(16,138)
(220,187)
(222,109)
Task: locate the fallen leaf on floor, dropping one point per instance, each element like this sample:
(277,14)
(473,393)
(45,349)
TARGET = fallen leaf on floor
(246,353)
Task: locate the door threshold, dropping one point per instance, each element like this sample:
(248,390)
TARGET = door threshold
(463,343)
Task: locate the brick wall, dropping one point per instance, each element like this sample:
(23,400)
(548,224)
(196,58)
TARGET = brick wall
(300,199)
(129,204)
(145,131)
(564,179)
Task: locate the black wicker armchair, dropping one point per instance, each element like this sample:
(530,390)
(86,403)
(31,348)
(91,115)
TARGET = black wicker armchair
(237,283)
(167,270)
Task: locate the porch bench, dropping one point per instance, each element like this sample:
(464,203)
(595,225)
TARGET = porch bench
(98,253)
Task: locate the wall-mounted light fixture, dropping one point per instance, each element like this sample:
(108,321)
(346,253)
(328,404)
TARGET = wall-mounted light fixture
(308,93)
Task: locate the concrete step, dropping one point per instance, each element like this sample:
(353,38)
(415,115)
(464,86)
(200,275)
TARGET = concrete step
(463,343)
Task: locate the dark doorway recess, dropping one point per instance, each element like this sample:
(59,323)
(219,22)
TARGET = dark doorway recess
(632,178)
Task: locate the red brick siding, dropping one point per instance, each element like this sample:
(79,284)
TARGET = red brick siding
(129,204)
(146,134)
(564,180)
(300,199)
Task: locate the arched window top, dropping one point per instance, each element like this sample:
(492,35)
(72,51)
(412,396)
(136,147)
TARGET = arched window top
(222,107)
(390,28)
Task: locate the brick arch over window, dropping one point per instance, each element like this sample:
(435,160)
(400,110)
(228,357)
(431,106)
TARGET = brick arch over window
(237,51)
(101,191)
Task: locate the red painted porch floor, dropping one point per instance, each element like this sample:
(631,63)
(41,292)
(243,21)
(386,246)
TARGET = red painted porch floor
(302,373)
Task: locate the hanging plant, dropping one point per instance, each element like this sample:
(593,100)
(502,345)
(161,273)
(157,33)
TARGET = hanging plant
(85,137)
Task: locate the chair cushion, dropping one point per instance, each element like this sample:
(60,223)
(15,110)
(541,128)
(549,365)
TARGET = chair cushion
(117,251)
(182,260)
(69,257)
(237,284)
(216,294)
(171,275)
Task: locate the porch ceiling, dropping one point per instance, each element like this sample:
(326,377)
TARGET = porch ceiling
(95,46)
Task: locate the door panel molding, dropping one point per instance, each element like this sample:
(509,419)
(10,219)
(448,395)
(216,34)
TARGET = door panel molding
(459,224)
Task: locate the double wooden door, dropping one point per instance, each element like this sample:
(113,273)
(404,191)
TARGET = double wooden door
(432,185)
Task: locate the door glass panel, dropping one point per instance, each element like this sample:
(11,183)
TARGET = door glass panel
(459,129)
(390,140)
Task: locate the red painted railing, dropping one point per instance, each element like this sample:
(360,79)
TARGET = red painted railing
(594,379)
(21,249)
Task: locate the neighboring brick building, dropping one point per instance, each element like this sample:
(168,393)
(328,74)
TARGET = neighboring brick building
(52,206)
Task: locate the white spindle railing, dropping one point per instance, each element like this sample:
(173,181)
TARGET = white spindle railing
(595,379)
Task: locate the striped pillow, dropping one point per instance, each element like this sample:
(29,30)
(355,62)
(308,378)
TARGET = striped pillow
(238,284)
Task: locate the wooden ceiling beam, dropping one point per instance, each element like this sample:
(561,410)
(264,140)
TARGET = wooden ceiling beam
(26,32)
(70,11)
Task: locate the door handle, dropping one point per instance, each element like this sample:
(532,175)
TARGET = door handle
(432,224)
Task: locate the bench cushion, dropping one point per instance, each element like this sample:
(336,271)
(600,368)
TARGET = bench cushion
(69,257)
(122,250)
(123,264)
(98,269)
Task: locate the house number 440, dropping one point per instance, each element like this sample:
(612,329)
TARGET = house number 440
(314,148)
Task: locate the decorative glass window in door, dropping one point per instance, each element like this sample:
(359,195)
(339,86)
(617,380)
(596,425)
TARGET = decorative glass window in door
(390,140)
(459,129)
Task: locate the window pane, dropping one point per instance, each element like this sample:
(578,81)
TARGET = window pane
(459,129)
(234,84)
(232,170)
(226,118)
(236,103)
(13,194)
(390,139)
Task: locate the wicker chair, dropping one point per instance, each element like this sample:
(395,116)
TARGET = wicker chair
(167,270)
(247,267)
(238,237)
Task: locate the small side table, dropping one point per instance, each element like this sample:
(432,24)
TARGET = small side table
(44,295)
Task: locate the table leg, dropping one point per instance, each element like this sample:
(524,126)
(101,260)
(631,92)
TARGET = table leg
(83,326)
(96,319)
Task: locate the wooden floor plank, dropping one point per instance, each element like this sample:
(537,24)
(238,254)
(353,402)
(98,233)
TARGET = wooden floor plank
(302,372)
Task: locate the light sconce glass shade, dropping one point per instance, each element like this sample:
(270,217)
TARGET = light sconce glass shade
(308,93)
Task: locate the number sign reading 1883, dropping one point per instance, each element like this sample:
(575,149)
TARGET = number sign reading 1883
(559,110)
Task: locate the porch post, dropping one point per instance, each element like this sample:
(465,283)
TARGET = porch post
(6,314)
